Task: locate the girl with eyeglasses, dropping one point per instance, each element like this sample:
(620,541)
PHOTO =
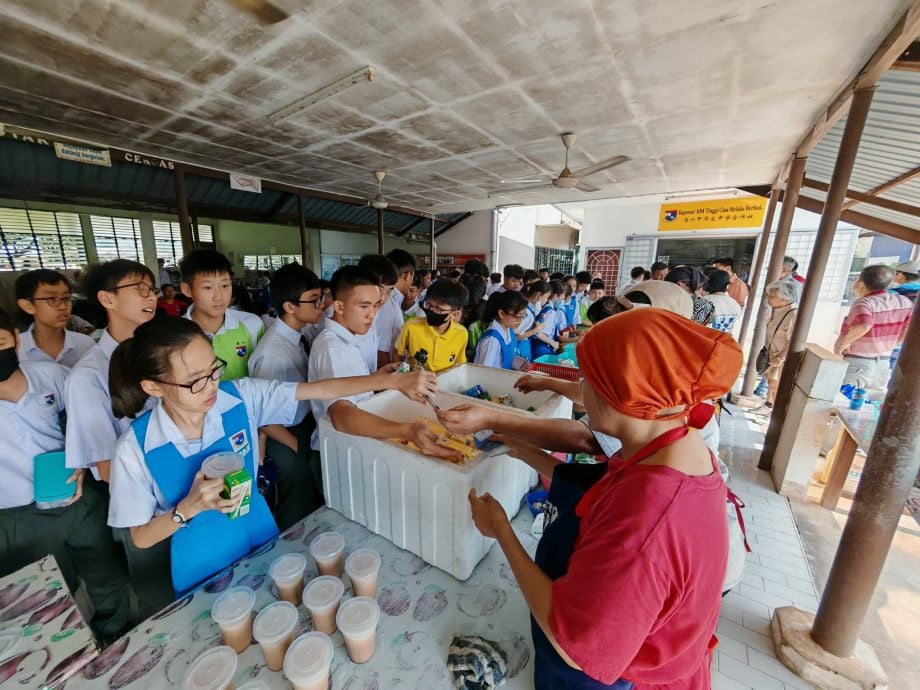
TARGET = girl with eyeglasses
(498,344)
(158,490)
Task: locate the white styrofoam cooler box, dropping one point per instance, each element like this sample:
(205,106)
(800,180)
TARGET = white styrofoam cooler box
(417,502)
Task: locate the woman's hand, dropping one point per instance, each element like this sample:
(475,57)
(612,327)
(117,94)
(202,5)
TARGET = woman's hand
(427,442)
(417,385)
(488,515)
(465,419)
(205,495)
(77,477)
(531,384)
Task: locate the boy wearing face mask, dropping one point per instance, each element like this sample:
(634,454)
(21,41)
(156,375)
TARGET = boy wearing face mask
(438,332)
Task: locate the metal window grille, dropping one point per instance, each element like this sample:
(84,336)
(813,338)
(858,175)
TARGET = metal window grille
(40,239)
(556,260)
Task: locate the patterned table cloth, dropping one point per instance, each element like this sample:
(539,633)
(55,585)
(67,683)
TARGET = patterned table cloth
(422,608)
(43,637)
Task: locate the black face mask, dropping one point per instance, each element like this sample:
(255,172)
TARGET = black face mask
(434,318)
(9,363)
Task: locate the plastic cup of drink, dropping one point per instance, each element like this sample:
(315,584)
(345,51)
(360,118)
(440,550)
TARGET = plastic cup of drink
(219,465)
(232,611)
(307,661)
(322,597)
(273,629)
(212,670)
(328,549)
(362,567)
(287,572)
(357,620)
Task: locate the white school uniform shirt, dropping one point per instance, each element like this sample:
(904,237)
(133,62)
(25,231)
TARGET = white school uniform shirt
(31,426)
(92,428)
(135,497)
(336,353)
(412,312)
(562,321)
(488,351)
(549,323)
(75,346)
(279,356)
(389,322)
(527,322)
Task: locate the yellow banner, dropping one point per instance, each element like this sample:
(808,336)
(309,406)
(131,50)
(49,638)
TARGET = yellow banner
(746,212)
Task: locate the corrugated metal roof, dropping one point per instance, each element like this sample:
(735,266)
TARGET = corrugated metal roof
(30,170)
(890,146)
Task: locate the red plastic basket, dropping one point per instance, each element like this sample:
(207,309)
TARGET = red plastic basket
(557,371)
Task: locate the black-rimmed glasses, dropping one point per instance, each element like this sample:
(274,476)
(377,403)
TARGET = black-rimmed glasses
(201,383)
(143,289)
(318,302)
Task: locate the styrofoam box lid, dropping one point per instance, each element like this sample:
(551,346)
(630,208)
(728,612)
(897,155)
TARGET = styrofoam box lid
(212,670)
(233,605)
(323,592)
(308,657)
(358,616)
(362,563)
(288,567)
(327,545)
(274,622)
(221,464)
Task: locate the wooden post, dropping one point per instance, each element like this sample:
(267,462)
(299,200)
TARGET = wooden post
(303,231)
(781,239)
(758,262)
(185,227)
(891,466)
(843,168)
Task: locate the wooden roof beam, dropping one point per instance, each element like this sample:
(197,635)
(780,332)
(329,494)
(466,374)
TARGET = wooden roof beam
(864,198)
(890,184)
(882,227)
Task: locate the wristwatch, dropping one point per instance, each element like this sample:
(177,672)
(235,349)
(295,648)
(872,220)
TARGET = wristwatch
(179,518)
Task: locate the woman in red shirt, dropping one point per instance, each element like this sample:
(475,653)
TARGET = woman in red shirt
(627,583)
(169,303)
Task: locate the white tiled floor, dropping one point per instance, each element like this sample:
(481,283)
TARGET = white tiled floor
(776,574)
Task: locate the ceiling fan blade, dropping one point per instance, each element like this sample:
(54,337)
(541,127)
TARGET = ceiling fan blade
(597,167)
(519,190)
(263,10)
(587,188)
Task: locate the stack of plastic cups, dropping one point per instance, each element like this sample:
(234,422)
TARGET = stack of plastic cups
(307,661)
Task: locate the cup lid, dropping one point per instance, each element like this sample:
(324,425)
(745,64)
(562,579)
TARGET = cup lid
(308,657)
(233,605)
(222,464)
(288,567)
(254,685)
(327,545)
(362,563)
(323,592)
(357,616)
(274,622)
(212,670)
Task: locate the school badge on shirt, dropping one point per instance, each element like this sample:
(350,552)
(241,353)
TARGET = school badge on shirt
(242,350)
(50,399)
(239,442)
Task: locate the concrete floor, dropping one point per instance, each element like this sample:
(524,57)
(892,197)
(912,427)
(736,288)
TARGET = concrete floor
(892,625)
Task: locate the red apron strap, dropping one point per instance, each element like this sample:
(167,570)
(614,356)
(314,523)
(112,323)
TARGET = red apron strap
(739,504)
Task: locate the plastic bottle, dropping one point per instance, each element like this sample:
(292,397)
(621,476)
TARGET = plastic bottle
(420,360)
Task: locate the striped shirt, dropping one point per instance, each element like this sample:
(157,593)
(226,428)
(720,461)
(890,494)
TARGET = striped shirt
(887,313)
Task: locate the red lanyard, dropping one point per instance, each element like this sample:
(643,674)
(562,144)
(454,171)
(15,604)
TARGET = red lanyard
(617,466)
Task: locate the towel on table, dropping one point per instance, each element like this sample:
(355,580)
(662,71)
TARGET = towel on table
(476,663)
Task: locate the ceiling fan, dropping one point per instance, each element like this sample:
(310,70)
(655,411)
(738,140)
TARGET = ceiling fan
(566,179)
(264,11)
(379,201)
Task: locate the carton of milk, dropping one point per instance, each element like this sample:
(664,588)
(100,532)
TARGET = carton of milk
(238,487)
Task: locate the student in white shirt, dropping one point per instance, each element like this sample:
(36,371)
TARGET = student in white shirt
(282,355)
(532,324)
(498,345)
(32,417)
(125,291)
(336,352)
(388,320)
(512,279)
(159,492)
(47,297)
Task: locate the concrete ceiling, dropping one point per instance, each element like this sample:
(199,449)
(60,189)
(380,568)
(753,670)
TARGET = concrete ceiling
(699,94)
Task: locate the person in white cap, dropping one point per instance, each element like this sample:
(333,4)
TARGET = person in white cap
(906,281)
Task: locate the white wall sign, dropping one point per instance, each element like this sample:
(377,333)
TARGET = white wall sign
(245,183)
(82,154)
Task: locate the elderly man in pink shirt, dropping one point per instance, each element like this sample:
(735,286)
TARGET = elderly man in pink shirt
(875,326)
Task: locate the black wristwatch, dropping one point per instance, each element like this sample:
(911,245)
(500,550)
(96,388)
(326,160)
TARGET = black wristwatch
(178,517)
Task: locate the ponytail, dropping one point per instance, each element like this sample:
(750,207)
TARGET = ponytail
(509,302)
(145,357)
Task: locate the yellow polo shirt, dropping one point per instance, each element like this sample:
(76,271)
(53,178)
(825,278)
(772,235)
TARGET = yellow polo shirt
(444,349)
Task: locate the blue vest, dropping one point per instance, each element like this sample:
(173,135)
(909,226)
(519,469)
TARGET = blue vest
(508,349)
(537,346)
(571,309)
(523,346)
(210,541)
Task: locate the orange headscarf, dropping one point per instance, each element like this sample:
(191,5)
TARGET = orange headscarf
(645,361)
